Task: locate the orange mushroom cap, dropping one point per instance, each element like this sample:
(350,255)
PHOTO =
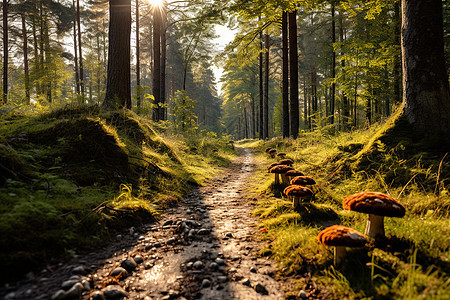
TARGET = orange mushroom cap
(374,203)
(280,169)
(338,235)
(303,180)
(293,173)
(298,191)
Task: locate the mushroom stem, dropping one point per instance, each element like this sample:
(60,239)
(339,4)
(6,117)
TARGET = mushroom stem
(284,179)
(296,202)
(339,255)
(277,178)
(375,226)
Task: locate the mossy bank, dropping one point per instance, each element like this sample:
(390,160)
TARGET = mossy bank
(72,178)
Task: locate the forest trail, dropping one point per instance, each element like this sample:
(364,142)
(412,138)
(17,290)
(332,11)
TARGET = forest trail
(204,248)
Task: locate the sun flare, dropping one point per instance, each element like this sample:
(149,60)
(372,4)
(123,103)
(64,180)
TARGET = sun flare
(156,2)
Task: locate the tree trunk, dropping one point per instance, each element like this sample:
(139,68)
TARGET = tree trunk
(47,61)
(426,91)
(397,72)
(162,110)
(345,102)
(138,61)
(25,60)
(36,52)
(293,71)
(266,86)
(156,61)
(285,81)
(314,106)
(305,102)
(333,64)
(261,90)
(118,90)
(75,50)
(80,53)
(5,5)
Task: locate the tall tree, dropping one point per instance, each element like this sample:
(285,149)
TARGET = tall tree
(157,18)
(266,85)
(5,5)
(425,81)
(138,61)
(293,72)
(118,90)
(285,77)
(261,87)
(25,59)
(80,53)
(162,109)
(333,63)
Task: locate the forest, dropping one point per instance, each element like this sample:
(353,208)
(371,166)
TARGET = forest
(142,159)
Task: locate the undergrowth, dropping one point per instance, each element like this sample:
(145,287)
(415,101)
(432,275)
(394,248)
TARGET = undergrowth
(414,260)
(71,178)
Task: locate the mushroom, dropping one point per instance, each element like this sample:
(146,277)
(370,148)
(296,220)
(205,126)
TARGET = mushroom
(378,206)
(280,170)
(281,155)
(298,192)
(272,153)
(303,180)
(293,173)
(273,165)
(268,149)
(340,237)
(287,162)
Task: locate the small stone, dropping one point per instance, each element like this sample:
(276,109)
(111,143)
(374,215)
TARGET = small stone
(219,261)
(173,294)
(56,296)
(302,294)
(168,222)
(86,285)
(222,279)
(11,296)
(259,288)
(246,282)
(253,269)
(75,277)
(97,295)
(114,292)
(192,232)
(138,259)
(68,284)
(148,266)
(206,283)
(118,237)
(198,265)
(80,270)
(129,264)
(229,235)
(119,273)
(188,211)
(75,291)
(203,231)
(213,266)
(171,241)
(28,293)
(189,265)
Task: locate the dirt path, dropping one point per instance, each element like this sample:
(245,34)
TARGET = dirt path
(205,248)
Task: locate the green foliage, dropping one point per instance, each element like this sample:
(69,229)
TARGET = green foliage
(186,120)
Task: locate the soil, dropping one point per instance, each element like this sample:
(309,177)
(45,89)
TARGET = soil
(211,225)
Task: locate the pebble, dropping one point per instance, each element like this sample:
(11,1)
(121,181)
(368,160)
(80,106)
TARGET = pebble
(229,235)
(11,296)
(222,279)
(138,259)
(86,285)
(80,270)
(213,266)
(246,282)
(171,241)
(198,265)
(114,291)
(68,284)
(302,294)
(129,264)
(58,295)
(97,295)
(119,273)
(219,261)
(75,291)
(259,288)
(253,269)
(189,265)
(148,265)
(206,283)
(203,231)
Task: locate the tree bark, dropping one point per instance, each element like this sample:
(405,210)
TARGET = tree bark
(285,80)
(397,72)
(162,109)
(138,61)
(118,89)
(293,72)
(261,90)
(156,61)
(426,92)
(253,117)
(345,102)
(75,50)
(5,5)
(80,53)
(333,64)
(266,86)
(25,60)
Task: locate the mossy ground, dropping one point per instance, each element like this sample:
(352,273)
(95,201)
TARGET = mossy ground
(72,178)
(414,260)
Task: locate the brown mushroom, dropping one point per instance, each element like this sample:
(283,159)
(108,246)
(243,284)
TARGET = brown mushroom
(281,155)
(287,162)
(273,165)
(303,180)
(378,206)
(298,192)
(272,153)
(293,173)
(279,171)
(268,149)
(340,237)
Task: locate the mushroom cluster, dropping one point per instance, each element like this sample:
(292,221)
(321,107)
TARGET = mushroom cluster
(378,206)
